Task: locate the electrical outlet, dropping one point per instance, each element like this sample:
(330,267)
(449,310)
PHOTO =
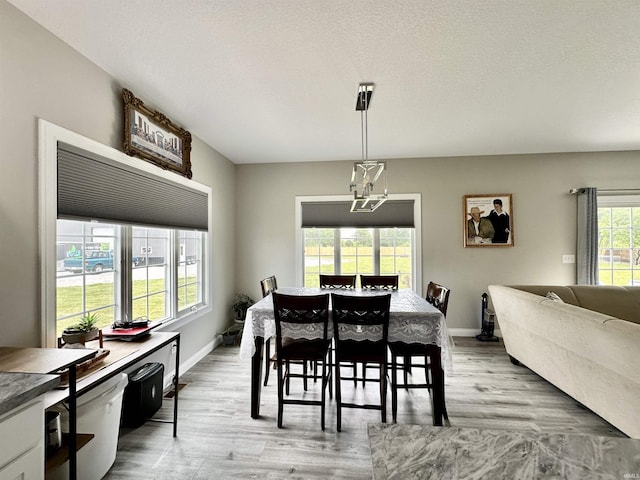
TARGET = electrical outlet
(568,259)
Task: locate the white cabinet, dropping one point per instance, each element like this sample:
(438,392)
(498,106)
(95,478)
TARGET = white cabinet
(22,442)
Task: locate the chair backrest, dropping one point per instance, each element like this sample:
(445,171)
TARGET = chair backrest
(268,285)
(438,296)
(359,318)
(338,281)
(300,316)
(379,282)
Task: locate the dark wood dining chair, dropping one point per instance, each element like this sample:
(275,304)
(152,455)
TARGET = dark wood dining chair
(360,334)
(376,282)
(438,296)
(268,285)
(343,282)
(301,336)
(379,282)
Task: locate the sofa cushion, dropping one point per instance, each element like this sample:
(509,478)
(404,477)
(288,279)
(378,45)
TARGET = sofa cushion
(565,293)
(619,302)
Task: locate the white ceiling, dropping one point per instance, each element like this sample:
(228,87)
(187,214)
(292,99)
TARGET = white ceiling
(276,80)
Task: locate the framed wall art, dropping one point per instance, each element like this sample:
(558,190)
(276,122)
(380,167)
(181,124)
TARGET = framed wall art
(488,220)
(150,135)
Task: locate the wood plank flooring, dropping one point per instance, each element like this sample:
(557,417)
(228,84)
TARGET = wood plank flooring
(217,439)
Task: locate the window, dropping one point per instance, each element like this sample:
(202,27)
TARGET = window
(118,236)
(150,287)
(190,269)
(86,276)
(368,251)
(92,278)
(332,240)
(618,241)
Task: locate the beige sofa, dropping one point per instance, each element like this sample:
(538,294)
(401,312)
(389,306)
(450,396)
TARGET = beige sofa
(587,343)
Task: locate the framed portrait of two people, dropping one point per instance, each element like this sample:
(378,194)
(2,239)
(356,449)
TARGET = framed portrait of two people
(488,220)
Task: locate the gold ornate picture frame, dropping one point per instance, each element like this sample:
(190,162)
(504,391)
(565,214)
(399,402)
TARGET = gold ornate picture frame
(488,220)
(150,135)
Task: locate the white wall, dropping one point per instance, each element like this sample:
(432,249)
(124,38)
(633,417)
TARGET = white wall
(544,217)
(41,77)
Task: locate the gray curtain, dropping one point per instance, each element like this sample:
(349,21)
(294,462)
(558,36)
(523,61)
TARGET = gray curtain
(587,247)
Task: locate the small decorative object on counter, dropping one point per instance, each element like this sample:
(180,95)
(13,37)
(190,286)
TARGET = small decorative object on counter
(85,331)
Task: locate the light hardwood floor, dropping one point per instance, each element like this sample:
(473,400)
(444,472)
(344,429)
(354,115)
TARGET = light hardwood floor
(217,439)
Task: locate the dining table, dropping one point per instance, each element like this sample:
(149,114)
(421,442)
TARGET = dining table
(411,320)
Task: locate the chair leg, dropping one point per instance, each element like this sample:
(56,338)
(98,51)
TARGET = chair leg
(364,374)
(355,374)
(315,371)
(286,375)
(267,359)
(281,381)
(304,375)
(324,395)
(383,391)
(338,397)
(394,387)
(330,382)
(406,361)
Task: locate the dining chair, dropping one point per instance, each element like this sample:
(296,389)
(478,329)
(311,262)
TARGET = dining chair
(376,282)
(341,282)
(360,334)
(346,282)
(268,285)
(379,282)
(438,296)
(301,336)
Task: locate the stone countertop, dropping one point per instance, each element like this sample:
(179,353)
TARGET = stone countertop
(18,388)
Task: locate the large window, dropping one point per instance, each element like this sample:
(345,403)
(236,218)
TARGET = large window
(91,276)
(618,242)
(333,240)
(119,237)
(368,251)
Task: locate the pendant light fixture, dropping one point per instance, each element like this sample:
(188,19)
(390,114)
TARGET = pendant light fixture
(367,173)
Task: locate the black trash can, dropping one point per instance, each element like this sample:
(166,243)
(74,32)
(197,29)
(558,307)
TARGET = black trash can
(143,394)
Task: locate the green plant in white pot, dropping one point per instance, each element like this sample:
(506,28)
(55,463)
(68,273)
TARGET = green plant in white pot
(84,331)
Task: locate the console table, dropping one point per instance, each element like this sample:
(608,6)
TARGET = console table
(131,352)
(49,360)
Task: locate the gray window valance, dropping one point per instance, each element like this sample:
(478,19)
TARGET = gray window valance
(91,187)
(392,213)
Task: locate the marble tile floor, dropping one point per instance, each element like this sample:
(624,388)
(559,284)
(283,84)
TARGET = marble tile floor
(404,452)
(217,439)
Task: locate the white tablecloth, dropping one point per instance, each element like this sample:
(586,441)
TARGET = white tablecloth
(411,319)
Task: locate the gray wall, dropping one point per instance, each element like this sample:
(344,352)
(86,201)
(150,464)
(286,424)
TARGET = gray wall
(544,217)
(254,231)
(41,77)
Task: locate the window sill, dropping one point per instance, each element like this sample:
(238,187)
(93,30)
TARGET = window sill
(185,319)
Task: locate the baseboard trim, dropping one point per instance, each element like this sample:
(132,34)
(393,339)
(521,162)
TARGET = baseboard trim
(199,355)
(469,332)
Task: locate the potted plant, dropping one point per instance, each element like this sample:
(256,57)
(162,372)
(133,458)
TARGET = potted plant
(230,334)
(241,302)
(84,331)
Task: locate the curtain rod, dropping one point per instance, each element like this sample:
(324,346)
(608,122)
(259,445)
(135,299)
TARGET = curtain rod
(573,191)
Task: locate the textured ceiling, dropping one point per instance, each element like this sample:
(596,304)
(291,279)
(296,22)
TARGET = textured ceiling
(276,80)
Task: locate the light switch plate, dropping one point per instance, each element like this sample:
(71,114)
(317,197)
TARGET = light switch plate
(568,259)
